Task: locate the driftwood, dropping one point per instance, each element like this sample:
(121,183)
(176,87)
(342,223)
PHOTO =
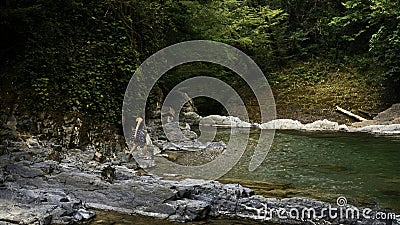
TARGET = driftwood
(350,114)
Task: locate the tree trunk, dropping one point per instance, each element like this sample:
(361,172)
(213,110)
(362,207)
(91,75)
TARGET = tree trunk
(350,114)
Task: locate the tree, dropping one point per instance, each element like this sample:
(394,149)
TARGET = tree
(375,25)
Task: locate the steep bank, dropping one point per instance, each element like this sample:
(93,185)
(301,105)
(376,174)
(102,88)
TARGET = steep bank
(309,91)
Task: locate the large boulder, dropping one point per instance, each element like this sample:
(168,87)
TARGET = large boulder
(325,125)
(173,132)
(224,121)
(390,115)
(282,124)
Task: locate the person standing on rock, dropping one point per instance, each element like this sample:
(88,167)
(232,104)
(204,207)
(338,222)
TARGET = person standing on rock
(139,138)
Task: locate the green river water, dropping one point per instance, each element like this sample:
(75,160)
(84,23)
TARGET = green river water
(361,167)
(364,168)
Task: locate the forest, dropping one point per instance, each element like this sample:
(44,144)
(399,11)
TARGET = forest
(79,55)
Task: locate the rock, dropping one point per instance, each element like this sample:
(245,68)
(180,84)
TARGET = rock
(385,123)
(192,146)
(168,114)
(35,190)
(84,214)
(343,127)
(32,142)
(191,118)
(189,210)
(322,125)
(173,132)
(195,157)
(184,126)
(23,170)
(144,163)
(155,150)
(54,155)
(386,117)
(108,173)
(224,121)
(2,178)
(189,134)
(63,196)
(379,129)
(288,124)
(389,114)
(16,213)
(99,157)
(282,124)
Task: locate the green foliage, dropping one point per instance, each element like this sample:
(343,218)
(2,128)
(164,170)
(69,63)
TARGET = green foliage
(257,30)
(76,54)
(374,24)
(80,54)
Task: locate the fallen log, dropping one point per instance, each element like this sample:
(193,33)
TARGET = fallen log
(350,114)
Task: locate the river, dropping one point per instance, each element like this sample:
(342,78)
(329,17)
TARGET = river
(361,167)
(364,168)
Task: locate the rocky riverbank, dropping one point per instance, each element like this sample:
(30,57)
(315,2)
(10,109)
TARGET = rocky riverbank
(38,188)
(385,123)
(59,176)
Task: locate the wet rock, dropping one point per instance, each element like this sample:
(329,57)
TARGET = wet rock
(199,156)
(193,146)
(173,132)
